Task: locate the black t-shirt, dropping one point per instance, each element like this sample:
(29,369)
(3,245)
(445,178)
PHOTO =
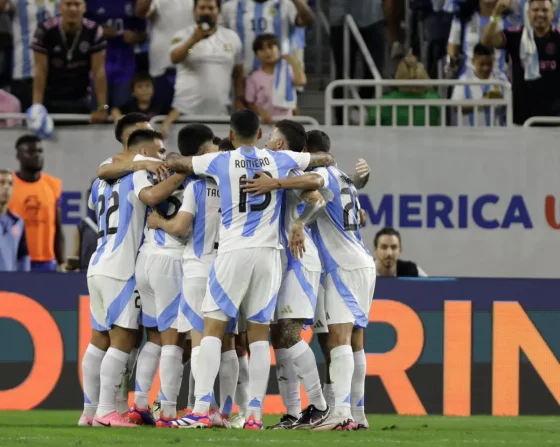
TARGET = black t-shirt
(132,107)
(540,97)
(407,268)
(69,57)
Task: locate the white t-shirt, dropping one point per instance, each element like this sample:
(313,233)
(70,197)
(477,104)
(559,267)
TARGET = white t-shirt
(250,19)
(167,17)
(247,221)
(202,200)
(478,92)
(27,15)
(336,231)
(121,217)
(204,78)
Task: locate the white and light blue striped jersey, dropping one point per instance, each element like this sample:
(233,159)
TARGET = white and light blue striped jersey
(27,15)
(121,217)
(248,221)
(160,242)
(291,211)
(336,232)
(202,200)
(250,19)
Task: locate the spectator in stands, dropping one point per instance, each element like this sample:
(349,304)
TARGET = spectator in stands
(208,56)
(13,247)
(394,16)
(26,17)
(122,30)
(483,63)
(66,50)
(534,52)
(388,250)
(36,199)
(466,32)
(250,18)
(9,104)
(409,69)
(143,99)
(369,17)
(85,240)
(5,46)
(270,89)
(519,15)
(167,18)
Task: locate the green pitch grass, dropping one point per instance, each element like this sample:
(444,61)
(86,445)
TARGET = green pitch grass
(57,428)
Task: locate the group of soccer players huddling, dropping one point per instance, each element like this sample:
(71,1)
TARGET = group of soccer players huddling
(213,252)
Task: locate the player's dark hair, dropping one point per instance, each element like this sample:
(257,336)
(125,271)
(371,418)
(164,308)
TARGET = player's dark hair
(387,231)
(216,140)
(140,77)
(245,124)
(26,139)
(226,145)
(293,133)
(129,120)
(218,2)
(193,137)
(142,136)
(318,141)
(263,40)
(481,50)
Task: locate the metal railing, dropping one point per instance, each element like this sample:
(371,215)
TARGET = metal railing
(538,120)
(478,105)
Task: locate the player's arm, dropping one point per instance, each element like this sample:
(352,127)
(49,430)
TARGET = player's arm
(23,260)
(178,225)
(320,159)
(123,164)
(178,163)
(263,183)
(154,195)
(314,204)
(361,176)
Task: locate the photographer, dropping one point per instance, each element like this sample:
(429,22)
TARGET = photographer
(207,56)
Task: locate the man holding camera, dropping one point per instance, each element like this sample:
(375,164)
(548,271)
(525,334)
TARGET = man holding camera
(208,57)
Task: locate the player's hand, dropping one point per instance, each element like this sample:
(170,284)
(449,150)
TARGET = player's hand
(362,168)
(501,7)
(260,185)
(158,168)
(297,240)
(153,220)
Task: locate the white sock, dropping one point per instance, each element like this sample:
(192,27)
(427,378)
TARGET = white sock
(306,368)
(112,371)
(170,372)
(208,362)
(192,377)
(146,368)
(342,369)
(358,387)
(328,394)
(122,395)
(91,368)
(288,382)
(259,370)
(229,371)
(242,390)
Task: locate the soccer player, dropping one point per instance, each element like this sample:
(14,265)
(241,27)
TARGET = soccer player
(121,209)
(349,285)
(247,271)
(13,248)
(201,211)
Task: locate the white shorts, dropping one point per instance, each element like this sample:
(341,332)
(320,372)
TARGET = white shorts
(158,281)
(190,316)
(320,326)
(112,302)
(348,296)
(297,297)
(246,280)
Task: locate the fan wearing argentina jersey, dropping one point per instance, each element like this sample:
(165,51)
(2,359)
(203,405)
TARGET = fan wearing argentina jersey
(121,211)
(246,274)
(297,296)
(201,210)
(251,18)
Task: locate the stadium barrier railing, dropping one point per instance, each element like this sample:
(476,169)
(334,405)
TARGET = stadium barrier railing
(539,120)
(445,104)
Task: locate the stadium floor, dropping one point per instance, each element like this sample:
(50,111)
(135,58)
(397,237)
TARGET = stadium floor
(57,428)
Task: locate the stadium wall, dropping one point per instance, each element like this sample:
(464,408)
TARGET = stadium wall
(434,346)
(469,202)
